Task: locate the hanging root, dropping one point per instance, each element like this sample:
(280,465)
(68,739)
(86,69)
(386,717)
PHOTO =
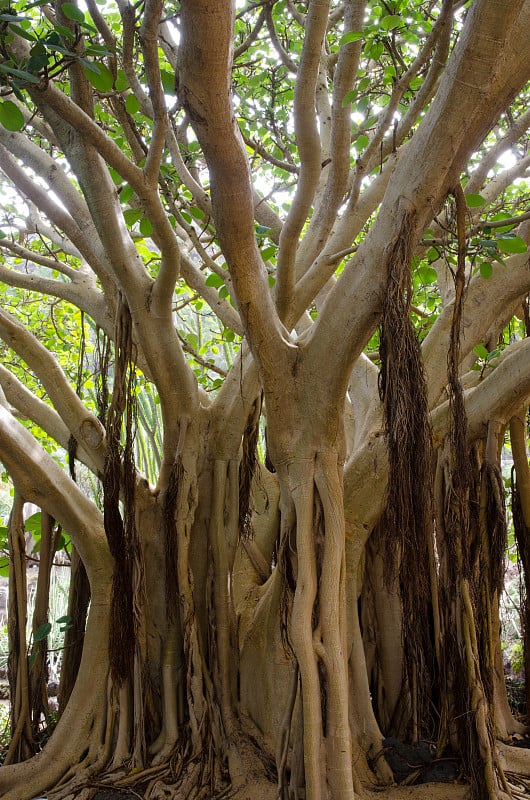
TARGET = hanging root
(171,499)
(522,537)
(408,513)
(118,483)
(247,470)
(474,535)
(282,749)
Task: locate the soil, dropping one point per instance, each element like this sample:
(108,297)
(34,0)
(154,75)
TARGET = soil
(427,791)
(267,791)
(115,796)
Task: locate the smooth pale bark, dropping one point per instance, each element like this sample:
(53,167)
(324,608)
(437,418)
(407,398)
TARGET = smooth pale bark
(491,398)
(520,460)
(86,428)
(426,171)
(42,481)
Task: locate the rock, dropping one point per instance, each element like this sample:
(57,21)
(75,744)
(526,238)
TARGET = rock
(406,758)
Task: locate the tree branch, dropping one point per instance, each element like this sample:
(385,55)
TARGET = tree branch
(499,395)
(309,151)
(81,291)
(284,56)
(48,168)
(204,90)
(346,230)
(516,130)
(56,214)
(86,429)
(439,33)
(325,212)
(427,170)
(28,405)
(149,40)
(485,301)
(253,35)
(223,310)
(45,483)
(37,258)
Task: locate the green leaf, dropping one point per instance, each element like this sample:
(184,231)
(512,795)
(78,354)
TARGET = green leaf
(116,177)
(72,12)
(474,200)
(27,77)
(489,244)
(88,27)
(192,340)
(42,632)
(361,142)
(512,244)
(39,58)
(132,104)
(214,280)
(427,274)
(168,81)
(481,351)
(500,216)
(33,524)
(11,116)
(486,269)
(268,252)
(122,82)
(89,65)
(391,22)
(59,48)
(11,18)
(375,51)
(126,194)
(22,32)
(99,50)
(132,215)
(146,229)
(349,97)
(64,31)
(351,36)
(103,80)
(228,335)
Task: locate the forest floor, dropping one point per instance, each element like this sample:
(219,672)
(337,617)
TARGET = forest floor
(425,791)
(268,791)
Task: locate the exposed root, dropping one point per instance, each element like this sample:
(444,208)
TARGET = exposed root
(283,739)
(519,785)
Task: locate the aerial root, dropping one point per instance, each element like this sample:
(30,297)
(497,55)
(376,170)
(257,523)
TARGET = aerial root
(519,785)
(515,761)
